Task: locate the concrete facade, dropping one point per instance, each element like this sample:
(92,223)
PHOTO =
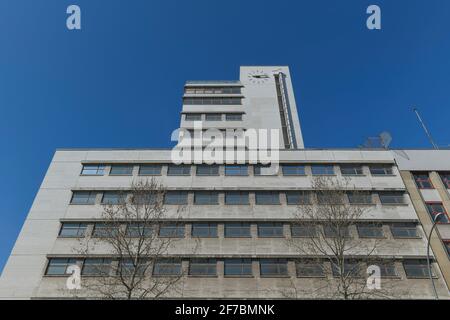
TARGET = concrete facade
(263,106)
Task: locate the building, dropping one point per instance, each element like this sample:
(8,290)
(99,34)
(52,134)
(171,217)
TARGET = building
(426,174)
(221,199)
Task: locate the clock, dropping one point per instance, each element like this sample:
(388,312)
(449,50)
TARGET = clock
(258,76)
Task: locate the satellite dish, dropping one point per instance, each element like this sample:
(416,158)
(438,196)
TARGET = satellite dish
(386,139)
(381,141)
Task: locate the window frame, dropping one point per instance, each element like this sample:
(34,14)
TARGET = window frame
(280,264)
(237,226)
(405,226)
(421,182)
(210,227)
(181,196)
(244,198)
(185,170)
(178,228)
(357,168)
(262,226)
(381,170)
(213,170)
(293,170)
(209,264)
(128,172)
(158,173)
(91,200)
(311,262)
(261,195)
(302,195)
(364,226)
(390,195)
(424,265)
(78,235)
(429,205)
(172,263)
(206,198)
(100,171)
(242,263)
(236,170)
(323,167)
(68,263)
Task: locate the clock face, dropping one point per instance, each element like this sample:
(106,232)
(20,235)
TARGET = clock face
(258,77)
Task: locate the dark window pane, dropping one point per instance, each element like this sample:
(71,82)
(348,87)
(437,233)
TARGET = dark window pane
(238,267)
(391,197)
(167,267)
(423,181)
(371,230)
(83,197)
(333,231)
(267,197)
(121,169)
(73,229)
(203,267)
(446,179)
(238,170)
(310,268)
(387,269)
(298,197)
(237,230)
(236,197)
(206,197)
(176,197)
(304,231)
(213,117)
(96,266)
(381,170)
(351,170)
(113,197)
(150,169)
(273,267)
(264,170)
(172,230)
(105,230)
(322,169)
(207,170)
(293,170)
(234,117)
(404,230)
(348,269)
(58,266)
(136,229)
(178,170)
(417,269)
(436,209)
(204,230)
(359,198)
(269,229)
(129,267)
(193,117)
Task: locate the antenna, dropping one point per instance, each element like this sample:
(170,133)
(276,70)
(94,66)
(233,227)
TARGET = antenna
(425,129)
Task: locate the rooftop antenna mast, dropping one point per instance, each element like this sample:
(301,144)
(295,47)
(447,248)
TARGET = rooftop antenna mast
(425,129)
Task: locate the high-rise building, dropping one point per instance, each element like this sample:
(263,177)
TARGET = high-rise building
(240,221)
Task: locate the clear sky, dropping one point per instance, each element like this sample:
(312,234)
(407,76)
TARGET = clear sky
(118,82)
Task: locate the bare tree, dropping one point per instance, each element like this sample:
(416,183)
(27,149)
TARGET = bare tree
(323,222)
(128,234)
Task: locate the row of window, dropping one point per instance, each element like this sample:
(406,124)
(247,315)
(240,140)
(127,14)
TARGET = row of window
(243,198)
(423,180)
(235,230)
(234,170)
(212,101)
(213,117)
(212,90)
(237,267)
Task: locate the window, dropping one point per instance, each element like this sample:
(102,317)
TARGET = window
(179,170)
(213,117)
(171,230)
(193,117)
(113,197)
(233,117)
(273,267)
(212,90)
(267,197)
(207,170)
(93,170)
(83,197)
(359,198)
(310,268)
(351,169)
(167,267)
(73,230)
(303,231)
(58,266)
(422,181)
(204,230)
(206,197)
(446,179)
(237,170)
(332,231)
(176,197)
(203,267)
(96,266)
(145,197)
(238,267)
(236,197)
(121,169)
(136,229)
(447,246)
(237,230)
(212,101)
(381,170)
(387,269)
(105,230)
(329,198)
(322,169)
(264,170)
(391,197)
(370,230)
(150,169)
(417,268)
(127,266)
(270,230)
(434,208)
(298,197)
(293,170)
(349,269)
(404,230)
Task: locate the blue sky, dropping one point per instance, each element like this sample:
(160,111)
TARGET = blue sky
(118,82)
